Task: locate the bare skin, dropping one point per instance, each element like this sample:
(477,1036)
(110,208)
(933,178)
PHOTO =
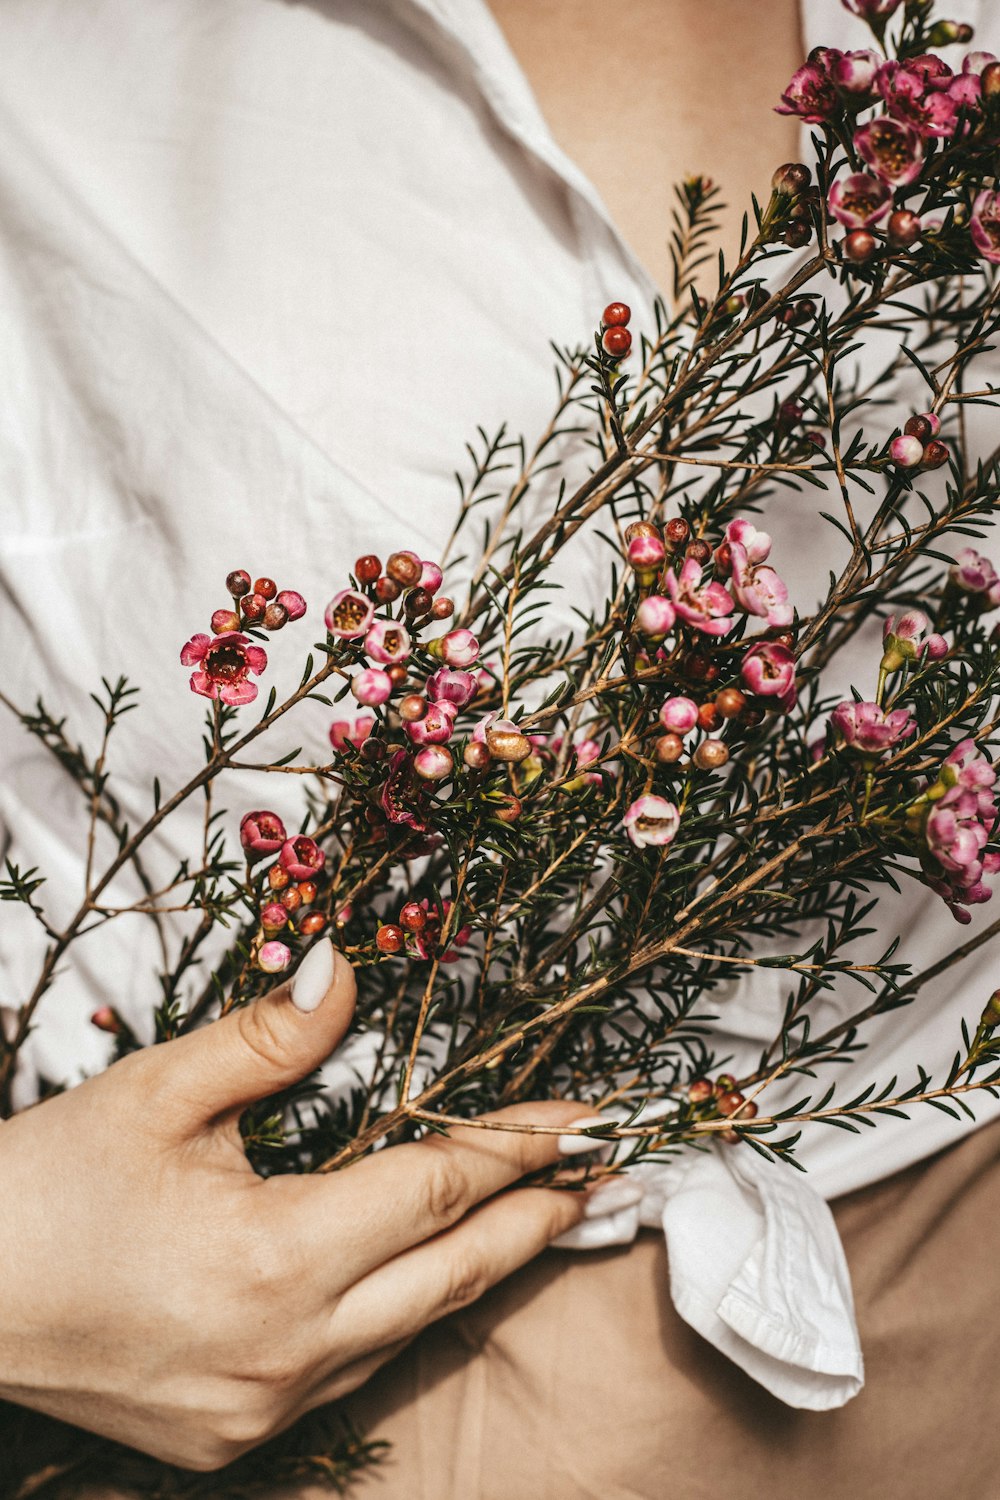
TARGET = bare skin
(644,92)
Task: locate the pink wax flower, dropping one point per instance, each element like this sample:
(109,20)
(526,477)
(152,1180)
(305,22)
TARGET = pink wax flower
(758,588)
(958,827)
(768,671)
(274,918)
(860,200)
(493,721)
(106,1018)
(400,798)
(431,577)
(906,637)
(985,225)
(708,607)
(349,614)
(225,622)
(865,728)
(459,648)
(646,553)
(274,957)
(756,544)
(907,451)
(872,10)
(679,715)
(371,686)
(853,73)
(435,728)
(911,98)
(652,820)
(585,752)
(261,833)
(452,686)
(966,91)
(975,574)
(433,763)
(810,95)
(344,732)
(301,857)
(893,150)
(966,766)
(225,664)
(655,617)
(387,641)
(292,602)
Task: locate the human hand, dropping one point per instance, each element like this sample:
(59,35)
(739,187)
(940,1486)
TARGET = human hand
(156,1291)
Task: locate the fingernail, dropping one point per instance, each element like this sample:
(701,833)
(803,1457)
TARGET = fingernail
(314,976)
(576,1145)
(612,1196)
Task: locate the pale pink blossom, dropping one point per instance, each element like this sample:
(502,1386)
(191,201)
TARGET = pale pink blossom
(224,666)
(387,642)
(975,574)
(985,225)
(768,671)
(907,451)
(431,577)
(906,637)
(679,715)
(459,648)
(451,685)
(261,833)
(349,614)
(893,150)
(860,200)
(371,686)
(756,544)
(758,588)
(652,820)
(912,98)
(868,729)
(274,957)
(854,73)
(708,607)
(344,732)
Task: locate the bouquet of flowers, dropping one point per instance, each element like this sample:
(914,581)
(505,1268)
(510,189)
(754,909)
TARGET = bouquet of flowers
(544,855)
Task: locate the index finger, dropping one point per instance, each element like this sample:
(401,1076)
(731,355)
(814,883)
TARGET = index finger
(399,1197)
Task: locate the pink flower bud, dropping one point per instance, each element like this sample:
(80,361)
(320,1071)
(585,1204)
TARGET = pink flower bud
(387,641)
(433,763)
(274,918)
(261,833)
(292,602)
(436,726)
(452,686)
(106,1018)
(431,577)
(655,616)
(349,614)
(907,452)
(274,957)
(459,648)
(935,647)
(853,73)
(301,857)
(652,820)
(225,621)
(371,686)
(646,553)
(679,715)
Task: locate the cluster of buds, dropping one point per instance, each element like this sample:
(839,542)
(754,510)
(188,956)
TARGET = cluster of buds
(288,889)
(226,660)
(417,933)
(918,446)
(616,341)
(720,1098)
(953,821)
(793,203)
(907,638)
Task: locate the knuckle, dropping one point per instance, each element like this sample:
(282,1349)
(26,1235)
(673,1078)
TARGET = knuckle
(446,1187)
(260,1033)
(467,1280)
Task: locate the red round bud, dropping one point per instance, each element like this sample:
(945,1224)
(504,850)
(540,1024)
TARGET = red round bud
(307,890)
(418,602)
(389,938)
(791,178)
(413,917)
(367,568)
(290,898)
(903,228)
(442,609)
(238,583)
(397,674)
(312,923)
(991,80)
(860,246)
(711,755)
(920,428)
(935,454)
(699,550)
(278,878)
(476,755)
(668,748)
(405,568)
(265,586)
(387,589)
(373,751)
(616,315)
(676,532)
(709,717)
(412,707)
(509,810)
(275,616)
(253,607)
(797,233)
(616,342)
(700,1090)
(730,702)
(731,1102)
(106,1018)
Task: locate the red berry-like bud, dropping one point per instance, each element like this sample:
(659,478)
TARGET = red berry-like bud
(700,1090)
(509,810)
(935,454)
(699,550)
(668,748)
(860,246)
(253,607)
(920,428)
(265,586)
(724,1083)
(412,707)
(397,674)
(418,602)
(797,233)
(106,1018)
(991,80)
(312,923)
(224,621)
(476,755)
(791,178)
(367,568)
(307,890)
(290,898)
(405,568)
(616,315)
(387,589)
(373,751)
(442,609)
(730,1102)
(711,755)
(238,583)
(730,702)
(903,228)
(700,668)
(709,717)
(278,878)
(413,917)
(616,342)
(389,938)
(275,616)
(676,532)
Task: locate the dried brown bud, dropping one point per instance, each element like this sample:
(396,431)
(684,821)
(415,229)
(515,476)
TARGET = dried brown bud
(405,568)
(730,702)
(791,178)
(699,550)
(700,1090)
(668,748)
(412,707)
(476,755)
(508,745)
(676,532)
(710,755)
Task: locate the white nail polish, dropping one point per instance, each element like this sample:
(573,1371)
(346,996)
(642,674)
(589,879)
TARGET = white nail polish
(314,976)
(576,1145)
(612,1196)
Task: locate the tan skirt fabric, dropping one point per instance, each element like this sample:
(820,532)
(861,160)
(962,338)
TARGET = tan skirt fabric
(576,1380)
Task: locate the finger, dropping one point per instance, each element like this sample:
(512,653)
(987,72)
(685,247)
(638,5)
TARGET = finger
(398,1197)
(452,1270)
(265,1046)
(348,1377)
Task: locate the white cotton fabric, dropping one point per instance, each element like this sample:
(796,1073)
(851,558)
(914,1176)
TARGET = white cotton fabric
(264,267)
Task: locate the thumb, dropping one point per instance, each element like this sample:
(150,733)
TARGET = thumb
(271,1043)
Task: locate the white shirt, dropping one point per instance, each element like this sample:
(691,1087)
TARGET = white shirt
(263,268)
